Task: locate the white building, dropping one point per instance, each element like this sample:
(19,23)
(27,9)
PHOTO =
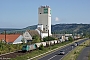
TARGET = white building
(44,19)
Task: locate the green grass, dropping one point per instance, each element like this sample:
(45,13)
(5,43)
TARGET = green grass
(75,53)
(6,48)
(89,56)
(89,52)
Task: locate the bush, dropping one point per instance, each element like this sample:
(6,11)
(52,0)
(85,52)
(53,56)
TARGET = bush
(50,38)
(5,48)
(70,39)
(75,52)
(41,47)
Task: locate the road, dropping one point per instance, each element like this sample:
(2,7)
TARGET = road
(56,56)
(84,54)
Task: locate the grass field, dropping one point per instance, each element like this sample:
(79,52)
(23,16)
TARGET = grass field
(6,48)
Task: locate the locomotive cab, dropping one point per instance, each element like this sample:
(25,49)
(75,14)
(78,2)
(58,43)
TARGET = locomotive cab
(25,48)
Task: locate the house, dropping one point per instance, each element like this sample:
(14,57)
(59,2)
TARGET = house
(67,36)
(61,37)
(28,35)
(11,38)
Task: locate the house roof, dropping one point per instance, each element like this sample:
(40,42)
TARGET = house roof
(33,32)
(9,37)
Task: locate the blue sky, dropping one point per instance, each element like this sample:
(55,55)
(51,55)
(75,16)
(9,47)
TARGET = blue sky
(23,13)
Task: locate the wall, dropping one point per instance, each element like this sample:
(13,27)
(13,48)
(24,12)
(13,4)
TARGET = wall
(44,35)
(27,36)
(45,19)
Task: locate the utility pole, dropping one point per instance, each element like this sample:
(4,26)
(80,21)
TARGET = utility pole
(40,35)
(48,34)
(5,35)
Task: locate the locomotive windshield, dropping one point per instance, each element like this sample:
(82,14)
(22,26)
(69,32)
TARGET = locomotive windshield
(24,46)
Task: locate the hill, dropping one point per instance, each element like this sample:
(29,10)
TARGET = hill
(58,28)
(71,28)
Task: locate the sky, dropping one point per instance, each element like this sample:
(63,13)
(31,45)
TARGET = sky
(23,13)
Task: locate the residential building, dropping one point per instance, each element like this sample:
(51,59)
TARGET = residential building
(28,35)
(11,38)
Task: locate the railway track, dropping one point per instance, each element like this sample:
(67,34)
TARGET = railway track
(12,55)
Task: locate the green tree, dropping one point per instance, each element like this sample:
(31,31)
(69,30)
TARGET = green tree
(1,45)
(50,38)
(70,38)
(35,39)
(41,47)
(23,41)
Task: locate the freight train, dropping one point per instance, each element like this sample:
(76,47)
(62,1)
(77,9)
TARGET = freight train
(37,45)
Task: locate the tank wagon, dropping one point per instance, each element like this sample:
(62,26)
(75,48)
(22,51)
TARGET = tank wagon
(52,42)
(43,43)
(38,44)
(55,41)
(58,41)
(47,43)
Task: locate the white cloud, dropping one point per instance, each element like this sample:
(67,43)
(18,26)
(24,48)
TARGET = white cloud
(56,19)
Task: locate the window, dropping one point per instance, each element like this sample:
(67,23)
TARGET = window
(45,10)
(43,28)
(50,11)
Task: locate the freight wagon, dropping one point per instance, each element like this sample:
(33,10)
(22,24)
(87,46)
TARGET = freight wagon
(38,44)
(47,43)
(58,41)
(52,42)
(43,43)
(55,41)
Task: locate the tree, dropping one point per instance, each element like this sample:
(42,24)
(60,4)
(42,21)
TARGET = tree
(36,39)
(70,38)
(41,47)
(50,38)
(23,41)
(2,45)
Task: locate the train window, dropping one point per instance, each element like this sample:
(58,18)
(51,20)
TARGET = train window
(24,46)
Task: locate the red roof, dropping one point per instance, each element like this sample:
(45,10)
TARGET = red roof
(10,37)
